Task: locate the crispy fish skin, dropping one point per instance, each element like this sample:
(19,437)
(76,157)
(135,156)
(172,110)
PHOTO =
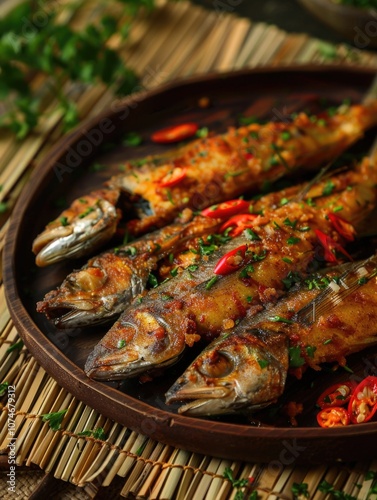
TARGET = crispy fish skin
(103,287)
(217,169)
(199,304)
(345,324)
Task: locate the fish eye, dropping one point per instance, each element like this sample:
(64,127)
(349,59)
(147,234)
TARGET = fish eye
(219,364)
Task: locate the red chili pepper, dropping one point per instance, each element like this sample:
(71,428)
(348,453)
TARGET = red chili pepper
(174,177)
(336,395)
(333,417)
(175,133)
(231,261)
(226,209)
(239,222)
(330,246)
(363,403)
(343,227)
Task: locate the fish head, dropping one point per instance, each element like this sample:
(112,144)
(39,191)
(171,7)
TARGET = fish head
(95,293)
(136,346)
(78,236)
(237,372)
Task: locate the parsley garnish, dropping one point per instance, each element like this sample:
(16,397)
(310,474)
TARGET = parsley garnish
(295,358)
(202,132)
(310,350)
(54,419)
(211,282)
(245,272)
(152,280)
(293,240)
(263,363)
(121,343)
(63,221)
(290,223)
(251,235)
(97,433)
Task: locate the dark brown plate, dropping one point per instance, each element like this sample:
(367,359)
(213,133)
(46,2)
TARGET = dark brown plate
(270,93)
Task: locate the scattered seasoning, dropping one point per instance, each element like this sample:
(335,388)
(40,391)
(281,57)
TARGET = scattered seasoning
(280,319)
(339,208)
(174,272)
(192,268)
(362,281)
(166,297)
(304,229)
(202,132)
(169,196)
(63,221)
(131,251)
(234,174)
(276,225)
(139,300)
(54,419)
(292,278)
(310,202)
(258,257)
(249,299)
(327,341)
(283,201)
(211,282)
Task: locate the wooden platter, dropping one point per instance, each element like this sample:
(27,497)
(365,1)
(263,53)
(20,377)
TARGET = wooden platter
(74,167)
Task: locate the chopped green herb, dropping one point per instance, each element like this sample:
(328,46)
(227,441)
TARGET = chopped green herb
(258,257)
(304,229)
(362,281)
(97,167)
(3,388)
(152,280)
(63,221)
(295,358)
(131,251)
(86,212)
(251,235)
(327,341)
(245,272)
(169,196)
(121,343)
(17,346)
(207,249)
(202,132)
(166,297)
(174,272)
(263,363)
(289,223)
(139,300)
(339,208)
(329,188)
(321,122)
(274,161)
(286,135)
(234,174)
(192,268)
(293,240)
(279,319)
(211,282)
(292,278)
(347,369)
(132,139)
(300,490)
(287,260)
(249,299)
(276,225)
(54,419)
(310,350)
(97,433)
(284,201)
(247,120)
(310,202)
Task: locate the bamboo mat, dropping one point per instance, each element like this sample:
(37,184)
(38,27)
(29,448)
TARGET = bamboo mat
(175,40)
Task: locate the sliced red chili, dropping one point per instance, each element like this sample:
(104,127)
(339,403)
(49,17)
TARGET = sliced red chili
(226,209)
(336,395)
(239,223)
(231,261)
(330,247)
(363,403)
(175,133)
(335,416)
(343,227)
(174,177)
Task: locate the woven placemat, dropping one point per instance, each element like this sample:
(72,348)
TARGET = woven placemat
(175,40)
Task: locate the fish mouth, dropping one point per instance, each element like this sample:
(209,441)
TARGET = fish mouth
(72,314)
(104,364)
(179,392)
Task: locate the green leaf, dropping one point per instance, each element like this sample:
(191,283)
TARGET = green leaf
(300,490)
(97,433)
(16,346)
(132,139)
(3,388)
(54,419)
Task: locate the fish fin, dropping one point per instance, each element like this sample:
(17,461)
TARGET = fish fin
(351,280)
